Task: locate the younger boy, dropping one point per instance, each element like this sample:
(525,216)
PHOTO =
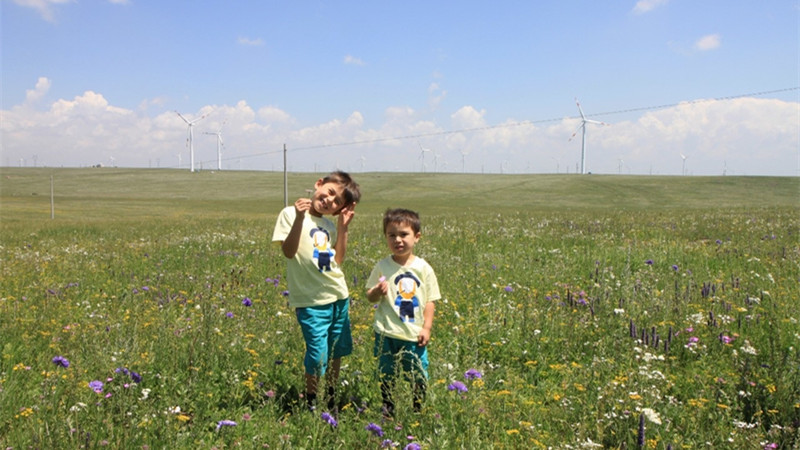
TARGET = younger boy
(315,250)
(405,288)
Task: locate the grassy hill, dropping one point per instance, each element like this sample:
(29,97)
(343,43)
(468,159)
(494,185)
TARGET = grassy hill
(122,194)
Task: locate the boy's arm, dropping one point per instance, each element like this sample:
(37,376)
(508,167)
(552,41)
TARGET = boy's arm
(292,241)
(427,324)
(345,216)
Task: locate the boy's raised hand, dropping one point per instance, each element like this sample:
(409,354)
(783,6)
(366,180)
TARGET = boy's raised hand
(302,205)
(346,214)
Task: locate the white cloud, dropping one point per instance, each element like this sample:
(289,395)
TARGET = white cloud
(250,42)
(743,136)
(709,42)
(43,7)
(33,95)
(643,6)
(435,95)
(352,60)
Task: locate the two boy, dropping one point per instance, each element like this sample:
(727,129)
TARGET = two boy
(403,285)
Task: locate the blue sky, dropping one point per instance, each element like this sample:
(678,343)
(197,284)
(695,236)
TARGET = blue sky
(710,87)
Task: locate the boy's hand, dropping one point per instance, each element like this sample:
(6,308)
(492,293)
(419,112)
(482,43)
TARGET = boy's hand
(346,214)
(424,337)
(301,206)
(378,291)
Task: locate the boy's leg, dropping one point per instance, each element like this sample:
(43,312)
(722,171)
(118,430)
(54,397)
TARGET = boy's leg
(385,353)
(340,343)
(314,323)
(415,364)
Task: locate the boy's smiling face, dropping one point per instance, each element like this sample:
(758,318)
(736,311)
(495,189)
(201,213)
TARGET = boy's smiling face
(328,198)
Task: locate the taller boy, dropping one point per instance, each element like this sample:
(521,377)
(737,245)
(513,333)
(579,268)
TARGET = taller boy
(315,249)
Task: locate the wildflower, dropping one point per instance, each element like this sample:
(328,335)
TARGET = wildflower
(96,386)
(229,315)
(247,302)
(649,262)
(225,423)
(285,293)
(472,374)
(675,267)
(136,377)
(412,446)
(60,361)
(457,386)
(375,429)
(651,415)
(330,419)
(508,288)
(726,339)
(145,394)
(387,443)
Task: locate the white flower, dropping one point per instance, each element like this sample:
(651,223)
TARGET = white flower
(145,393)
(747,348)
(651,415)
(619,311)
(78,406)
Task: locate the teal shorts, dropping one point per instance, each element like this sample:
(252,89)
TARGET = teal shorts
(326,330)
(412,357)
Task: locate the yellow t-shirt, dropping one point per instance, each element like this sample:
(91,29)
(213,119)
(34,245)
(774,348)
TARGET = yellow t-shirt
(313,275)
(411,287)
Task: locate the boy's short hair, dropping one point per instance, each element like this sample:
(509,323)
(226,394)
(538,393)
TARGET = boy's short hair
(351,189)
(400,215)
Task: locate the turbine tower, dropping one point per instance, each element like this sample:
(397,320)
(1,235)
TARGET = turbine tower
(191,135)
(422,154)
(218,134)
(683,167)
(582,129)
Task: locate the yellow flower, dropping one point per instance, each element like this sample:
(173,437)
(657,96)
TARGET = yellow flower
(183,417)
(722,406)
(512,432)
(503,392)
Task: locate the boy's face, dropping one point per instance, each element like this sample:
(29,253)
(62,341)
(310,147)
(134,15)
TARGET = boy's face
(400,238)
(328,198)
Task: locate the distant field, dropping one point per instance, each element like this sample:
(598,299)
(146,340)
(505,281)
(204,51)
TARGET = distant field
(122,194)
(578,312)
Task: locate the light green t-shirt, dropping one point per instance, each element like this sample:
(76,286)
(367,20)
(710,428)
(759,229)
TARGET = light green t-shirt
(411,287)
(313,275)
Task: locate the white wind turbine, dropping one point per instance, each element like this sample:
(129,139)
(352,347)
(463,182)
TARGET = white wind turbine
(218,134)
(191,135)
(422,155)
(582,129)
(683,167)
(463,154)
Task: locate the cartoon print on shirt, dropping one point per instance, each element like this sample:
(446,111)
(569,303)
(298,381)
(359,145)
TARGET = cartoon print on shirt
(406,303)
(322,249)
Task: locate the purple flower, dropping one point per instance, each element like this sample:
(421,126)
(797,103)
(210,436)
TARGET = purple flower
(472,374)
(96,386)
(649,262)
(229,315)
(122,370)
(508,288)
(60,361)
(225,423)
(247,302)
(375,429)
(457,386)
(387,443)
(330,419)
(675,267)
(136,377)
(285,293)
(412,446)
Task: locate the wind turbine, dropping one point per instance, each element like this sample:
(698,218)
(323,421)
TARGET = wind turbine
(422,155)
(582,129)
(683,167)
(218,134)
(362,159)
(191,135)
(463,154)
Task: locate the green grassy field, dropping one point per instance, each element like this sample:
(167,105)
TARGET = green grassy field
(600,311)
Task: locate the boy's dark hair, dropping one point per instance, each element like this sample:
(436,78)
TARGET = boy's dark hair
(352,192)
(400,215)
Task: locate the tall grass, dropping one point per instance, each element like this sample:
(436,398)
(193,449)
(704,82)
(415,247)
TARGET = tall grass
(581,317)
